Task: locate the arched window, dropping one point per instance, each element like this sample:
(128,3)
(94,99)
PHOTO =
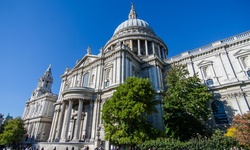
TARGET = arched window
(219,114)
(108,77)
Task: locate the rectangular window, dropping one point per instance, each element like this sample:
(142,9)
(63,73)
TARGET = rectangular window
(85,80)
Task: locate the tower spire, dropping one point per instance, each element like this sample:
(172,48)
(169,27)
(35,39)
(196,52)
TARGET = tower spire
(49,68)
(44,83)
(132,13)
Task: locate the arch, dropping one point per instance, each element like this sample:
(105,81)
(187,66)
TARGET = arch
(219,114)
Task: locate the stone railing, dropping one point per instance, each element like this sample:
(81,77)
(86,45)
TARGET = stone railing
(211,45)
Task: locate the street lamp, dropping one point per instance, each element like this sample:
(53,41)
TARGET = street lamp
(98,136)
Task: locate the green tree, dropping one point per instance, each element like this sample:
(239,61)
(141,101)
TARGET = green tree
(13,132)
(185,104)
(125,113)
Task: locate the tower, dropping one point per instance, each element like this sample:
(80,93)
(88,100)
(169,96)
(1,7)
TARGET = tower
(44,84)
(39,109)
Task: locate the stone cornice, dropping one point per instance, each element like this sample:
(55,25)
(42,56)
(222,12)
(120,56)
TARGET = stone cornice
(45,97)
(227,85)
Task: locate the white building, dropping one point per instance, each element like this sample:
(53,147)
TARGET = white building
(39,109)
(135,50)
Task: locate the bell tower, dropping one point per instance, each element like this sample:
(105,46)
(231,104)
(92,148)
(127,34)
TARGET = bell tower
(39,109)
(44,84)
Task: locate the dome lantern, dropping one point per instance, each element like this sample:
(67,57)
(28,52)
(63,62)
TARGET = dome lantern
(132,14)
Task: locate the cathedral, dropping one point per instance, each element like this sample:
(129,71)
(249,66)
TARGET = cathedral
(72,119)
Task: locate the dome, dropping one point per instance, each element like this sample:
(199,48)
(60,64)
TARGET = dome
(136,35)
(132,21)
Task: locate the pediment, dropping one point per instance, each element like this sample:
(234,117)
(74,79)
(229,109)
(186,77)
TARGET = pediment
(242,52)
(86,60)
(205,63)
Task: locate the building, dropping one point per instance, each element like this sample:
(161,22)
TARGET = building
(135,50)
(224,67)
(39,109)
(1,119)
(4,120)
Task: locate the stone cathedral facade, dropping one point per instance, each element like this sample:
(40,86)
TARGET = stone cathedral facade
(135,50)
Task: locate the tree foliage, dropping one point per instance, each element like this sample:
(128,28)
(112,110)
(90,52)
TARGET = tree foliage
(13,132)
(125,113)
(242,125)
(185,104)
(216,142)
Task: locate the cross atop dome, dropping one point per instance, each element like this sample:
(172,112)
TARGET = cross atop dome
(89,50)
(132,13)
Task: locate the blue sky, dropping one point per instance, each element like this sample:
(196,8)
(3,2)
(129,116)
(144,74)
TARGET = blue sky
(36,33)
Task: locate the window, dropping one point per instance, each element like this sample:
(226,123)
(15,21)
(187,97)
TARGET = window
(85,79)
(243,57)
(108,76)
(107,82)
(219,114)
(209,82)
(248,73)
(207,72)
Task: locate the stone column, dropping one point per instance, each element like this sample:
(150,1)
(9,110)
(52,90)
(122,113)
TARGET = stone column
(139,47)
(131,45)
(53,127)
(160,52)
(153,47)
(60,122)
(122,68)
(228,66)
(90,119)
(95,118)
(216,81)
(146,47)
(165,53)
(202,74)
(67,121)
(78,121)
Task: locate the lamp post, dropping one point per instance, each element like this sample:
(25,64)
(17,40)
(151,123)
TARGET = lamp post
(98,137)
